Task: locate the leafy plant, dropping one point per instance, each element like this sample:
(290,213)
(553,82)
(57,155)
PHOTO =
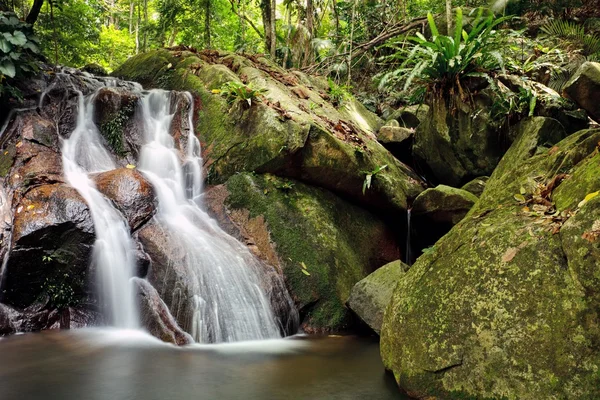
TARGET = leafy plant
(339,93)
(442,62)
(235,91)
(574,34)
(18,52)
(369,175)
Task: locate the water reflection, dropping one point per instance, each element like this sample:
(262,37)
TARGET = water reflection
(114,365)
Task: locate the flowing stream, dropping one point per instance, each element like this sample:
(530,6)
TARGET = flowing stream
(114,252)
(230,300)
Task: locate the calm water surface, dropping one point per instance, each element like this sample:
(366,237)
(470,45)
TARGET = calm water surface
(115,365)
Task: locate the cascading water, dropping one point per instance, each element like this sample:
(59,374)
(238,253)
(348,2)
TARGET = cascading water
(229,303)
(114,253)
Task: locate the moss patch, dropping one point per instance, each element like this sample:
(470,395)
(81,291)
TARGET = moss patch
(324,244)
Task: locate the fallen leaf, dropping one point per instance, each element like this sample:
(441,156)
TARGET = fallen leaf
(130,166)
(305,272)
(520,198)
(19,144)
(30,207)
(510,254)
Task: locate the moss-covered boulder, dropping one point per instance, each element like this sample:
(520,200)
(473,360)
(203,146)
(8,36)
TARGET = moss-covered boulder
(370,296)
(322,244)
(444,204)
(410,116)
(291,130)
(476,186)
(506,304)
(457,141)
(584,88)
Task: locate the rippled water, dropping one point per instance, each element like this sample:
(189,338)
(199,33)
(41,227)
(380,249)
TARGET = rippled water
(114,365)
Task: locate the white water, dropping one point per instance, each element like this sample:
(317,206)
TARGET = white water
(229,303)
(114,251)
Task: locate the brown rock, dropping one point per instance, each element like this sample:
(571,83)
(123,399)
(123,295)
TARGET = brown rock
(130,192)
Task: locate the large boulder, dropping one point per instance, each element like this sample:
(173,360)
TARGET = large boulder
(292,130)
(322,244)
(370,296)
(456,145)
(506,304)
(52,239)
(410,116)
(584,88)
(476,186)
(130,192)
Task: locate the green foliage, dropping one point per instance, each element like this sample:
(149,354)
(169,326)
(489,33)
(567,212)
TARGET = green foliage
(18,52)
(113,129)
(339,93)
(442,62)
(236,91)
(574,34)
(514,106)
(59,291)
(369,175)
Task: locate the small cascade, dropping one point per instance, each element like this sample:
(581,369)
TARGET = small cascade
(230,300)
(408,238)
(114,253)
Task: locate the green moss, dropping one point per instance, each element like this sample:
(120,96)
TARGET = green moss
(312,228)
(113,130)
(147,67)
(579,184)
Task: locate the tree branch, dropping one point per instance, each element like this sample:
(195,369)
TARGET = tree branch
(34,12)
(245,17)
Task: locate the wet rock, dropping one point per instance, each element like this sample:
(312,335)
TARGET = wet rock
(130,192)
(114,110)
(322,244)
(156,318)
(476,186)
(507,288)
(52,237)
(167,273)
(444,204)
(584,88)
(370,296)
(6,324)
(95,69)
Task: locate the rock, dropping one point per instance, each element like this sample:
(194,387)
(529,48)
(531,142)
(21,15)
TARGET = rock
(167,273)
(411,116)
(95,69)
(370,296)
(476,186)
(391,123)
(130,192)
(6,324)
(52,238)
(156,318)
(508,290)
(322,244)
(457,146)
(394,135)
(298,136)
(584,88)
(444,204)
(114,109)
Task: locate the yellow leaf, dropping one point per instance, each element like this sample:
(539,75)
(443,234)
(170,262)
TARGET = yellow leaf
(303,265)
(30,207)
(588,198)
(6,152)
(216,91)
(520,198)
(305,272)
(19,144)
(130,166)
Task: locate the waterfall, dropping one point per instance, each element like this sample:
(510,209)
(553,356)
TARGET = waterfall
(114,252)
(229,299)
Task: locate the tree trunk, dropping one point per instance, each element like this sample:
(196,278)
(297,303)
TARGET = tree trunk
(34,12)
(449,16)
(131,8)
(207,23)
(272,26)
(145,42)
(137,29)
(268,16)
(310,27)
